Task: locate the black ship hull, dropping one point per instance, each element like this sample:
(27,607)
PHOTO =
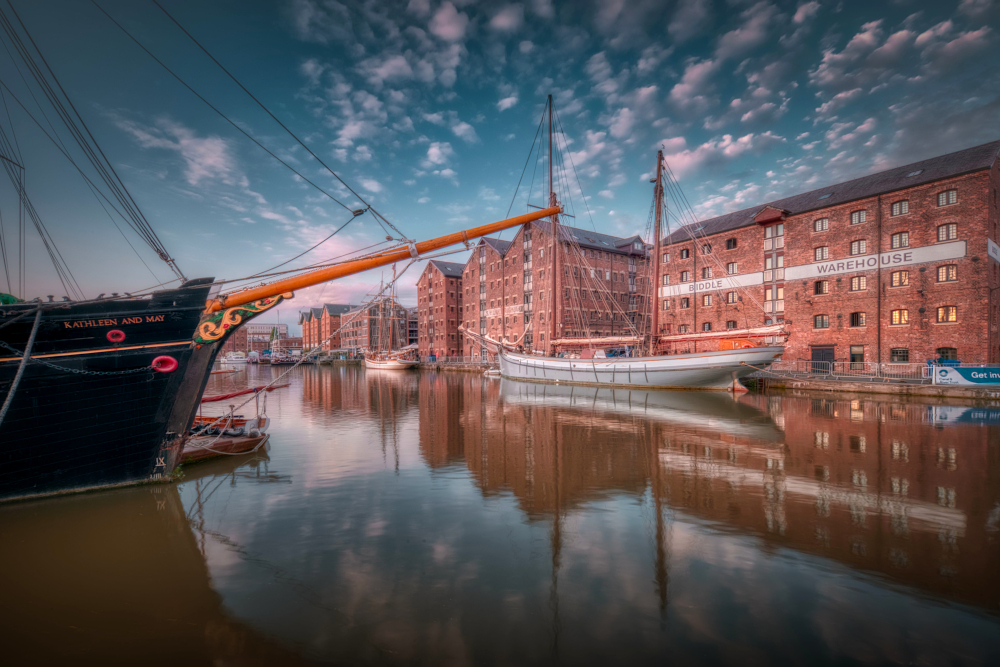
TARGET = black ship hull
(90,411)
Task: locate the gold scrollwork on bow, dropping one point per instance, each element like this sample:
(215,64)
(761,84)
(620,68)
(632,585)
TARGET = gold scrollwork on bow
(226,321)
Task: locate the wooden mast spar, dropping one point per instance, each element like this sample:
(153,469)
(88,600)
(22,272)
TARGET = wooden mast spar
(654,335)
(381,259)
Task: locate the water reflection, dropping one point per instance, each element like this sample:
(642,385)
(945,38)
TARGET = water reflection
(444,518)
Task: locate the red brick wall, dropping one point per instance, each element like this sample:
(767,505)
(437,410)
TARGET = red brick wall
(975,334)
(439,303)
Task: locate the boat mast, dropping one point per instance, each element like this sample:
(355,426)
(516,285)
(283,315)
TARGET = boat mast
(392,307)
(657,221)
(399,254)
(554,300)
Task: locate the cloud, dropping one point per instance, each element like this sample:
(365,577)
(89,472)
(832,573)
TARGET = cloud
(423,200)
(805,12)
(508,19)
(526,46)
(607,194)
(439,153)
(941,56)
(419,8)
(595,144)
(755,23)
(543,8)
(437,118)
(488,194)
(621,123)
(507,102)
(684,161)
(838,69)
(465,132)
(974,8)
(205,158)
(448,23)
(692,90)
(371,185)
(688,20)
(838,101)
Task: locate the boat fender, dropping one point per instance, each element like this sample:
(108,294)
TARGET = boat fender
(234,432)
(254,433)
(116,335)
(164,364)
(212,431)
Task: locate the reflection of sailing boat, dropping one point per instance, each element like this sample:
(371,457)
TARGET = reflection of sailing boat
(710,410)
(122,575)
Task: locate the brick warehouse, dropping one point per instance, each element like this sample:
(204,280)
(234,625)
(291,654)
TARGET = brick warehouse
(318,324)
(512,280)
(901,265)
(439,302)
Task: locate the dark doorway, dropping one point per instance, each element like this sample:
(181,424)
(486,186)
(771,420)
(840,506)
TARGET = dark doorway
(822,360)
(857,357)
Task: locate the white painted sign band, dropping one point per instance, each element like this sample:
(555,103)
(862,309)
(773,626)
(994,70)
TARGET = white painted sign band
(894,258)
(715,284)
(992,249)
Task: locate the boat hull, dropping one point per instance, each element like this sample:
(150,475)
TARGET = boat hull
(704,370)
(390,364)
(87,421)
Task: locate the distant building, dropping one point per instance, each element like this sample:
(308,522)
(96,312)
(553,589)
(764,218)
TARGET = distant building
(254,337)
(439,304)
(361,332)
(291,345)
(319,324)
(412,325)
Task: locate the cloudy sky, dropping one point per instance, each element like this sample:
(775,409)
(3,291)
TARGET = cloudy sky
(428,109)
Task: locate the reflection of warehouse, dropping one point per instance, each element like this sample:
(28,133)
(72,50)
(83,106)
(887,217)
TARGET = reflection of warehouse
(868,483)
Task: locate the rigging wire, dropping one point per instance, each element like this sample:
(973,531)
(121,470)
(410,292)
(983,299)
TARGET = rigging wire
(216,110)
(82,135)
(526,160)
(304,252)
(275,118)
(575,172)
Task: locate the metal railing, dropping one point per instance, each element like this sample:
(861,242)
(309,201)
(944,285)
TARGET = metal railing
(454,360)
(855,371)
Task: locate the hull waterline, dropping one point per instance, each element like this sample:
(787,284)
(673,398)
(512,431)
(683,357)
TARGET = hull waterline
(704,370)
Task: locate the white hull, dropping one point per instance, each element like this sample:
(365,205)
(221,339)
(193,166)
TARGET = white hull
(703,370)
(390,364)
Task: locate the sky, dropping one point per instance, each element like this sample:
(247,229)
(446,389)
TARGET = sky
(428,110)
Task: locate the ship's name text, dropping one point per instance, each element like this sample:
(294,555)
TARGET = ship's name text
(114,322)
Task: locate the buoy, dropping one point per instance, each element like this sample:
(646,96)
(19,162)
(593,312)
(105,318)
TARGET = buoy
(164,364)
(116,335)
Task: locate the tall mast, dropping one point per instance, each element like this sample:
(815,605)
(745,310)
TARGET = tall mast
(392,307)
(654,336)
(554,300)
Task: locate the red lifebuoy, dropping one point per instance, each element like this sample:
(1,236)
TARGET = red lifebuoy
(116,335)
(164,364)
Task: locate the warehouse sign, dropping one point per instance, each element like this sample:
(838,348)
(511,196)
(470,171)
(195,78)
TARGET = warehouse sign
(728,282)
(965,376)
(992,249)
(887,260)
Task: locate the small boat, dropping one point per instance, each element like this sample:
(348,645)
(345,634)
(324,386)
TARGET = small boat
(234,358)
(236,435)
(389,362)
(253,357)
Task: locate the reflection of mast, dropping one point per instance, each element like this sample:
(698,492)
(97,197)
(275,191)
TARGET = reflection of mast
(662,575)
(556,542)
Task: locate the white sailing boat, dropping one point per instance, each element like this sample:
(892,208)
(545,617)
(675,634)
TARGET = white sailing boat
(388,359)
(739,354)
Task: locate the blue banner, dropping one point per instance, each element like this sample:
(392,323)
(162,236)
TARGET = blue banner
(966,376)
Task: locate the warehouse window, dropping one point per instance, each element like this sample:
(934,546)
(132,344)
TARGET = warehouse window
(706,249)
(859,247)
(857,217)
(947,232)
(900,207)
(901,240)
(947,314)
(947,197)
(947,353)
(821,321)
(685,253)
(685,276)
(665,278)
(730,297)
(730,244)
(682,328)
(706,300)
(821,253)
(857,319)
(899,278)
(821,287)
(706,272)
(731,268)
(900,316)
(706,326)
(685,302)
(947,273)
(859,283)
(899,355)
(666,304)
(821,225)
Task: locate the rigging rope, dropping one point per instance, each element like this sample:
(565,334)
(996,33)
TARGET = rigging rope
(282,125)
